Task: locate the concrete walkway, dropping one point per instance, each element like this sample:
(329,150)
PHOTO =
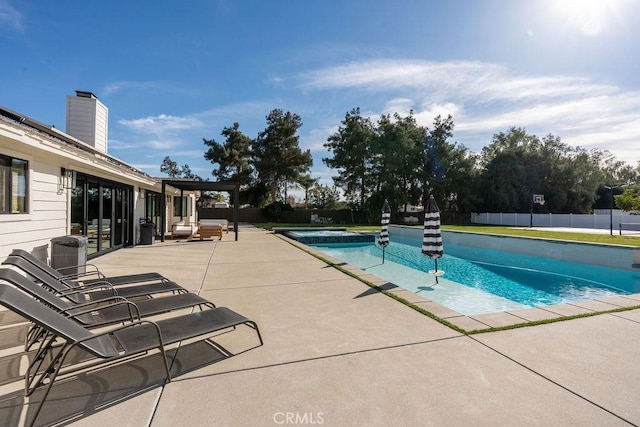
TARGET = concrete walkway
(337,353)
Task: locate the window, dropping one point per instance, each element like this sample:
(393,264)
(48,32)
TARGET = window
(181,206)
(13,185)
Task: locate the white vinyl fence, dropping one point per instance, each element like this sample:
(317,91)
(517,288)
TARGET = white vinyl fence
(617,218)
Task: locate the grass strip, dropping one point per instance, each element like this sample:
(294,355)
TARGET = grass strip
(553,320)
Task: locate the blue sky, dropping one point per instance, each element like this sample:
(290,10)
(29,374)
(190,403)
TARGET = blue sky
(173,73)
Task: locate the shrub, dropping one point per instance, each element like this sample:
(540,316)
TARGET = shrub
(277,211)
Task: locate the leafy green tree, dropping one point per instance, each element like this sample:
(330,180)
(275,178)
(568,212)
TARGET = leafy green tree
(629,200)
(398,156)
(277,211)
(277,156)
(352,157)
(506,182)
(518,165)
(170,167)
(233,157)
(185,172)
(306,182)
(447,170)
(324,197)
(585,176)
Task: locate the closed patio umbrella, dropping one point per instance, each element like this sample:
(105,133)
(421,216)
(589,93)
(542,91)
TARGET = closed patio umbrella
(384,229)
(432,237)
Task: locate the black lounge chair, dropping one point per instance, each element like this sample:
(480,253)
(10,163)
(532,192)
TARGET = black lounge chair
(103,312)
(97,291)
(85,277)
(107,346)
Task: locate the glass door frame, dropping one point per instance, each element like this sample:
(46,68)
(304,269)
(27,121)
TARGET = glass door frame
(119,211)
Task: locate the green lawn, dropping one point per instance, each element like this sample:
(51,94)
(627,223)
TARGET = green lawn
(605,239)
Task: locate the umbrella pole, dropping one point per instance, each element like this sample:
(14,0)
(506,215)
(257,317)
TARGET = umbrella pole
(383,249)
(436,261)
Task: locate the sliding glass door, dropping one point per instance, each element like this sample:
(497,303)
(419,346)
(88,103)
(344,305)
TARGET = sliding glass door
(102,211)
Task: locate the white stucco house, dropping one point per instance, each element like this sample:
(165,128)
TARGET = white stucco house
(55,183)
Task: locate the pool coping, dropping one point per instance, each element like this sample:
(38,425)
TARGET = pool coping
(352,237)
(487,322)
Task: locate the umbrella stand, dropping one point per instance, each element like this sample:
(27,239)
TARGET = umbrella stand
(437,273)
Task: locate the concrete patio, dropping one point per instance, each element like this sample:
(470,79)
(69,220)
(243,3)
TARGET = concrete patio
(336,353)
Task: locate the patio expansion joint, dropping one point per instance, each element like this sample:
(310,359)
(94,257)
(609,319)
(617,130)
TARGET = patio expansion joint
(624,318)
(556,383)
(206,271)
(310,282)
(269,262)
(156,404)
(324,357)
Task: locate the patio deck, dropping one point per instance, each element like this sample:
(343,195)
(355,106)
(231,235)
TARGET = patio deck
(338,353)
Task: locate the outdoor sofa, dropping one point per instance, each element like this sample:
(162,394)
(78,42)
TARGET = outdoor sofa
(182,229)
(208,228)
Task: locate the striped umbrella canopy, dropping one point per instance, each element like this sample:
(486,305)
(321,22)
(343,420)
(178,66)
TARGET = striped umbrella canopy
(432,237)
(384,229)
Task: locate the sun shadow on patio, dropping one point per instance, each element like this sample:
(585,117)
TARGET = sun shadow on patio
(87,393)
(372,291)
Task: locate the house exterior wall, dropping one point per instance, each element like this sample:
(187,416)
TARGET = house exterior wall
(48,200)
(192,211)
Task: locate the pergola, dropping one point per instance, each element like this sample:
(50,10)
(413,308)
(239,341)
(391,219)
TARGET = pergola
(192,185)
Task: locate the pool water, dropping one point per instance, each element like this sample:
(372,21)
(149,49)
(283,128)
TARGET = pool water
(321,233)
(479,280)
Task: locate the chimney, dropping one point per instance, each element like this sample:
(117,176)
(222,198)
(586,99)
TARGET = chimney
(88,119)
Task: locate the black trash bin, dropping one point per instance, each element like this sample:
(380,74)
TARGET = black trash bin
(147,233)
(69,253)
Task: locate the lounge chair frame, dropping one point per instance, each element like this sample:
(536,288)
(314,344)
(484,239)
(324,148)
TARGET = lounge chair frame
(108,346)
(85,277)
(103,312)
(96,290)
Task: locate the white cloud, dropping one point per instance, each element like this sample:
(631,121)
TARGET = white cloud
(161,145)
(427,112)
(161,124)
(120,86)
(401,106)
(444,81)
(10,17)
(486,98)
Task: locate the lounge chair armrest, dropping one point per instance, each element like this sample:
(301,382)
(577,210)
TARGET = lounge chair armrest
(62,269)
(82,276)
(102,286)
(89,307)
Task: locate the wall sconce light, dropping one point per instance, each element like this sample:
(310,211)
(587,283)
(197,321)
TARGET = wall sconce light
(142,193)
(68,178)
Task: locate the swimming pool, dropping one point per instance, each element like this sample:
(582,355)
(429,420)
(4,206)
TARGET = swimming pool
(478,280)
(325,235)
